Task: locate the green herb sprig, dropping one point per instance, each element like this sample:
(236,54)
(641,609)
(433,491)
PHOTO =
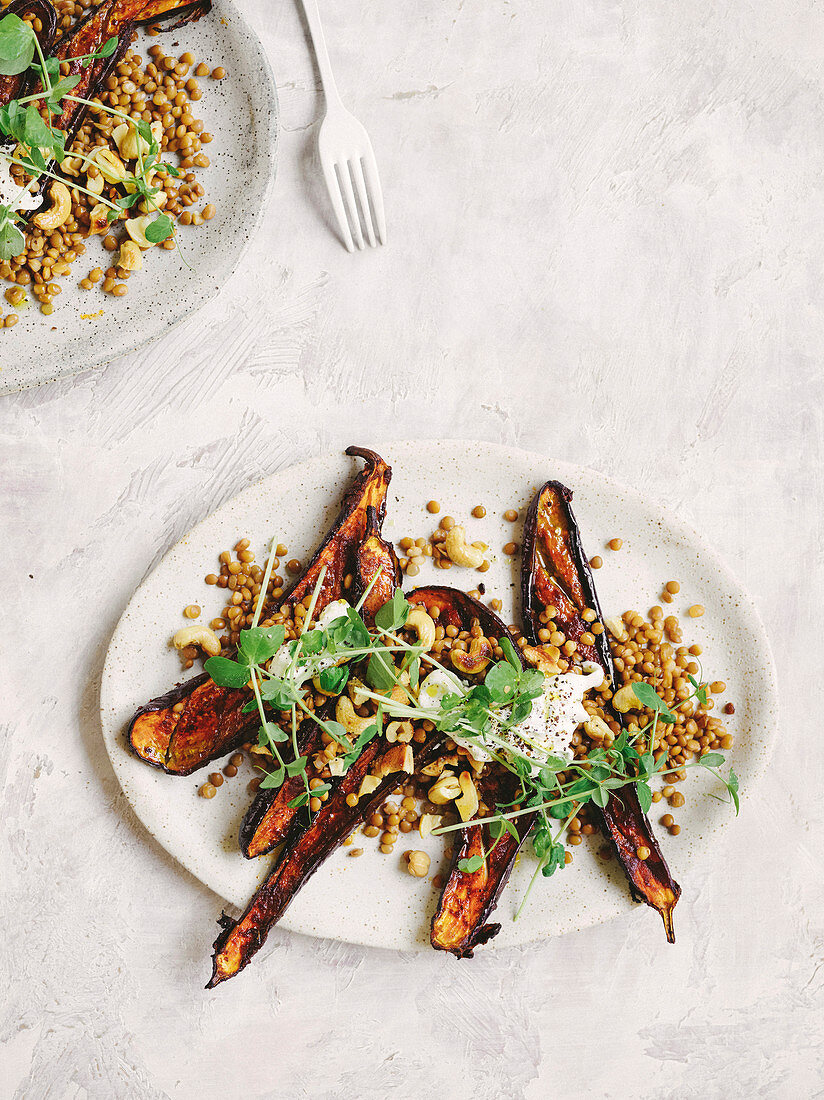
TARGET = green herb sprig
(22,122)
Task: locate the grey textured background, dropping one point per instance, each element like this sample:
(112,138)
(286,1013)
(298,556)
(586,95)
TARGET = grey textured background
(605,244)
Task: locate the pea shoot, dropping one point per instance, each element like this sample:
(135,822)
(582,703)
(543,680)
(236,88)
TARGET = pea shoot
(42,145)
(550,789)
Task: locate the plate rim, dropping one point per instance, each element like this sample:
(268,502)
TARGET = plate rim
(770,703)
(191,303)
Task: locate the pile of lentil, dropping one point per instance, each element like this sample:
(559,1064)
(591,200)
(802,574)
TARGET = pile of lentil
(160,89)
(648,648)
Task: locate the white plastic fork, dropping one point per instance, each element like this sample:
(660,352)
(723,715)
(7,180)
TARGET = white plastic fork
(346,156)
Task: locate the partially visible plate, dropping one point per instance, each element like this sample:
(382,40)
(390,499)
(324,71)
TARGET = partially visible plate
(241,111)
(371,900)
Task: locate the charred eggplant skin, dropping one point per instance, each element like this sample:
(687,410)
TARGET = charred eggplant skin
(211,722)
(460,922)
(555,571)
(377,574)
(305,850)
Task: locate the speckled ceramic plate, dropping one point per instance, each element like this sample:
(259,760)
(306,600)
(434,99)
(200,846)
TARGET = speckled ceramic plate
(371,900)
(89,328)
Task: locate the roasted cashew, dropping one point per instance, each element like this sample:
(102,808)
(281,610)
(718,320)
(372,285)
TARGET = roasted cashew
(617,629)
(369,785)
(130,258)
(460,551)
(399,758)
(538,658)
(597,728)
(625,699)
(423,625)
(445,789)
(399,731)
(95,184)
(129,142)
(110,165)
(418,864)
(99,219)
(427,823)
(351,722)
(467,804)
(476,660)
(59,211)
(136,228)
(200,636)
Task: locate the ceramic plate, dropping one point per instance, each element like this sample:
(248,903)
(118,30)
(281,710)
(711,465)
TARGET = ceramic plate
(371,900)
(241,112)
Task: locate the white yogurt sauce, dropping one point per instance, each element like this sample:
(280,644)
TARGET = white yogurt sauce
(549,727)
(337,609)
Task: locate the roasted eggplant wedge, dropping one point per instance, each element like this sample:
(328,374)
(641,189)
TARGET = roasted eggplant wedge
(306,848)
(555,573)
(211,722)
(459,924)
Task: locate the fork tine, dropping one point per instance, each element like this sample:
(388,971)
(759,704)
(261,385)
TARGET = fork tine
(333,187)
(349,201)
(373,185)
(360,190)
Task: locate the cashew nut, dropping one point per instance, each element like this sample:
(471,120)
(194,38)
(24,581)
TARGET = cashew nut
(197,635)
(399,758)
(625,699)
(130,258)
(136,228)
(445,789)
(417,864)
(427,823)
(129,143)
(467,804)
(399,731)
(59,211)
(423,625)
(99,218)
(597,728)
(356,689)
(617,629)
(110,165)
(539,659)
(369,785)
(476,660)
(351,722)
(95,184)
(156,202)
(459,550)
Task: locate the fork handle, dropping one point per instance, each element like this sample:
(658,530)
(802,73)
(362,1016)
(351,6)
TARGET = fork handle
(330,88)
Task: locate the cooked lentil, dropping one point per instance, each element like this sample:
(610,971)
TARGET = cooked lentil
(154,89)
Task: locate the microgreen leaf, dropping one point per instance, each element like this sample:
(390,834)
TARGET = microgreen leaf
(270,734)
(644,795)
(273,779)
(296,766)
(501,682)
(651,699)
(227,673)
(380,672)
(159,230)
(259,644)
(333,680)
(17,45)
(471,865)
(12,241)
(509,652)
(393,614)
